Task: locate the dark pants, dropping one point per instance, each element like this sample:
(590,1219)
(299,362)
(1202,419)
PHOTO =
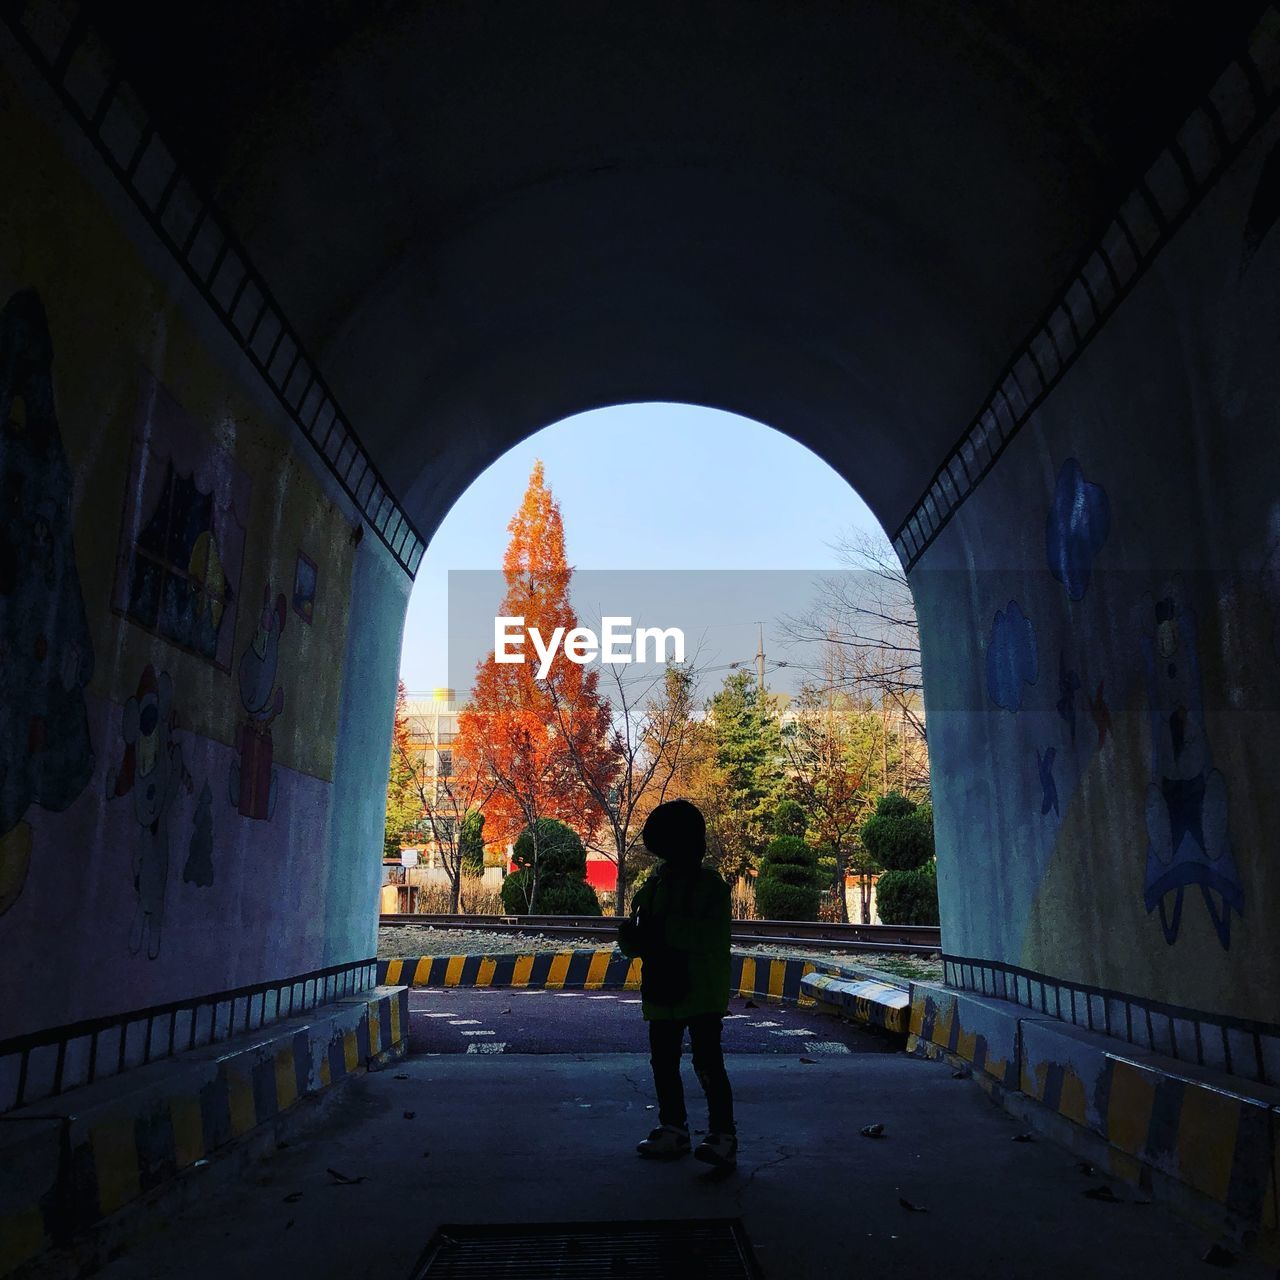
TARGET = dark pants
(666,1038)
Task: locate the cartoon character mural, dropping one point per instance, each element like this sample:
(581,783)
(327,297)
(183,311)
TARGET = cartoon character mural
(181,547)
(253,781)
(1188,842)
(151,772)
(46,653)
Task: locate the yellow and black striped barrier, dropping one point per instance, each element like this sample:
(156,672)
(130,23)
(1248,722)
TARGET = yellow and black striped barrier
(772,978)
(93,1150)
(1208,1142)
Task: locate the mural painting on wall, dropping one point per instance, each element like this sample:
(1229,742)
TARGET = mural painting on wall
(1068,687)
(253,781)
(182,537)
(1012,661)
(1100,713)
(46,652)
(1078,524)
(150,772)
(305,578)
(1048,787)
(1188,842)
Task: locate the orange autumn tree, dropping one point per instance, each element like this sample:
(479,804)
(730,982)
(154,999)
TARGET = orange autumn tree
(546,745)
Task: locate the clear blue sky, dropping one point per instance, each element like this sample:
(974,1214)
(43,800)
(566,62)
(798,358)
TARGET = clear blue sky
(648,486)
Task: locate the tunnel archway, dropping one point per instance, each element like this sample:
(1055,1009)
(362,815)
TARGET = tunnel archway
(1019,268)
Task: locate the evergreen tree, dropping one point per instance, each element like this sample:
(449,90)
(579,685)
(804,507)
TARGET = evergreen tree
(899,835)
(550,875)
(747,747)
(404,808)
(471,843)
(787,887)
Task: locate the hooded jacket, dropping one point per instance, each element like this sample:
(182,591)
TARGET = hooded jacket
(679,928)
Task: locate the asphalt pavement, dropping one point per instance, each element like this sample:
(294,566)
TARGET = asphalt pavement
(498,1020)
(946,1192)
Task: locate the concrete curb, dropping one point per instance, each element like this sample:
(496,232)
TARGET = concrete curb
(875,1004)
(1207,1142)
(71,1161)
(861,995)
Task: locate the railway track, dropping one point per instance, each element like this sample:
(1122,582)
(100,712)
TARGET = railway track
(917,939)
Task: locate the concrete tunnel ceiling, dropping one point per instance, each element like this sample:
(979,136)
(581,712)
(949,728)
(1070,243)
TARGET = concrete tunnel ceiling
(837,218)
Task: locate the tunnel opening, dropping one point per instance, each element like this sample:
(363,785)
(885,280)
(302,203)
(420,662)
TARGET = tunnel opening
(783,589)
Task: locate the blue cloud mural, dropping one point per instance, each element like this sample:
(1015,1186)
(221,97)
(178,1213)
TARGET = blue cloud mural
(1078,524)
(1011,657)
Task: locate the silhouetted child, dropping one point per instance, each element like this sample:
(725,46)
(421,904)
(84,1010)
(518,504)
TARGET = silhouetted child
(679,927)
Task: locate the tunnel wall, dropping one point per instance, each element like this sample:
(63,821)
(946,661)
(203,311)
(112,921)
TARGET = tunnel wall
(1101,625)
(190,786)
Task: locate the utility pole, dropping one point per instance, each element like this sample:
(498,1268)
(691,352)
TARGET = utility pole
(760,660)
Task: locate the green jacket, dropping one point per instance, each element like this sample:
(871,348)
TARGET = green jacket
(680,924)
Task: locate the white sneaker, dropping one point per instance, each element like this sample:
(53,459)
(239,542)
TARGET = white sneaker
(666,1142)
(719,1149)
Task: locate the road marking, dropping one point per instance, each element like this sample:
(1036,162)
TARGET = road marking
(631,1002)
(729,1017)
(568,993)
(602,997)
(465,1022)
(436,1015)
(537,991)
(826,1046)
(764,1024)
(792,1032)
(487,1046)
(479,1033)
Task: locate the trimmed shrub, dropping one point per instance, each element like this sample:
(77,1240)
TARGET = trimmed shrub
(560,852)
(789,820)
(908,897)
(787,886)
(899,834)
(562,869)
(563,897)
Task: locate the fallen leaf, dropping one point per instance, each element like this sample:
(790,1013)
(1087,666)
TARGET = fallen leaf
(293,1197)
(1024,1137)
(1216,1256)
(288,1224)
(425,1154)
(400,1075)
(506,1010)
(408,1115)
(911,1208)
(872,1131)
(961,1073)
(751,1004)
(1102,1192)
(1086,1168)
(342,1180)
(808,1062)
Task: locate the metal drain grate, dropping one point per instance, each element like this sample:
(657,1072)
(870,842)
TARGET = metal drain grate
(706,1248)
